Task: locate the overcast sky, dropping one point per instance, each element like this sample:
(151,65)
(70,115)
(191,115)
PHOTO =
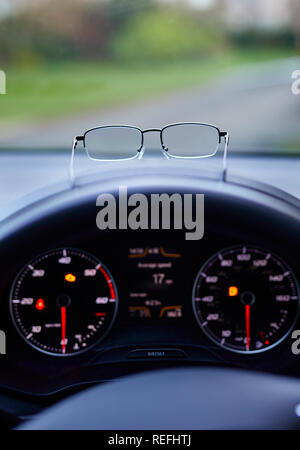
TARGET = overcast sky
(201,3)
(195,3)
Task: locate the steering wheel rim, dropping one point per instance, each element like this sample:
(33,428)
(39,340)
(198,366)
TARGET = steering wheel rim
(179,398)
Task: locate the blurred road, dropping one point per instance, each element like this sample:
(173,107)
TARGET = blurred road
(254,103)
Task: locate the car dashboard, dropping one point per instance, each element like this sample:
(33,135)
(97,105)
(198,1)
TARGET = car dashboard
(81,305)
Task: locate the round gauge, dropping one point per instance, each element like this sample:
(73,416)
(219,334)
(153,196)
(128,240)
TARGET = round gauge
(246,299)
(63,301)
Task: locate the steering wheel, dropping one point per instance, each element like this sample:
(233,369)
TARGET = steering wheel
(180,399)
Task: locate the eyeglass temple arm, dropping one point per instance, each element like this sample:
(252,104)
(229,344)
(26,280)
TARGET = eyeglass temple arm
(71,167)
(226,137)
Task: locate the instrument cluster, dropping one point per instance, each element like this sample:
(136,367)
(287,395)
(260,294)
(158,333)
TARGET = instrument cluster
(243,299)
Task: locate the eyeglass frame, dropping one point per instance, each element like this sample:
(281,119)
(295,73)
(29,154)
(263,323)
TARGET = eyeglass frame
(141,149)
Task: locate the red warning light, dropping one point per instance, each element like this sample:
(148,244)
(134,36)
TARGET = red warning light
(70,278)
(40,304)
(233,291)
(267,342)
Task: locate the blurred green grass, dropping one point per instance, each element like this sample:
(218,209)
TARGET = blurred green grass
(55,90)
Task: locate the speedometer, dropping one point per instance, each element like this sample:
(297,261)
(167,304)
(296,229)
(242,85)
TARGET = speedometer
(63,301)
(246,299)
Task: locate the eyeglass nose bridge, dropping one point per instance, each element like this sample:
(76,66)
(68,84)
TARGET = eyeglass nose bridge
(150,130)
(157,130)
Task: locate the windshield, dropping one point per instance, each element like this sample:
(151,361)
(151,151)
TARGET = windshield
(70,65)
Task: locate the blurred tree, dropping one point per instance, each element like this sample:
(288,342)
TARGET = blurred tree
(25,42)
(263,38)
(126,30)
(295,6)
(121,11)
(81,23)
(166,34)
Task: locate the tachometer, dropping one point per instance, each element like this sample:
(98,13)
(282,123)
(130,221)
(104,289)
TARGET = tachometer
(63,301)
(246,299)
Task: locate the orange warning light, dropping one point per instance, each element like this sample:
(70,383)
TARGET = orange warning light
(233,291)
(70,278)
(40,304)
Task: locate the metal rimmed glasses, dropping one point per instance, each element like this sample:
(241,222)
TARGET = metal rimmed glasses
(185,140)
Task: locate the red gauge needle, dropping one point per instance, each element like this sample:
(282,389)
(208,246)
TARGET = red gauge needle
(63,328)
(247,317)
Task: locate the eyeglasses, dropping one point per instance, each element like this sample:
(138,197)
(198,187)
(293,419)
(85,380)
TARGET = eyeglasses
(191,140)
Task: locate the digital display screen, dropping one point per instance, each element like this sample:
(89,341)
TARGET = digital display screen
(154,273)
